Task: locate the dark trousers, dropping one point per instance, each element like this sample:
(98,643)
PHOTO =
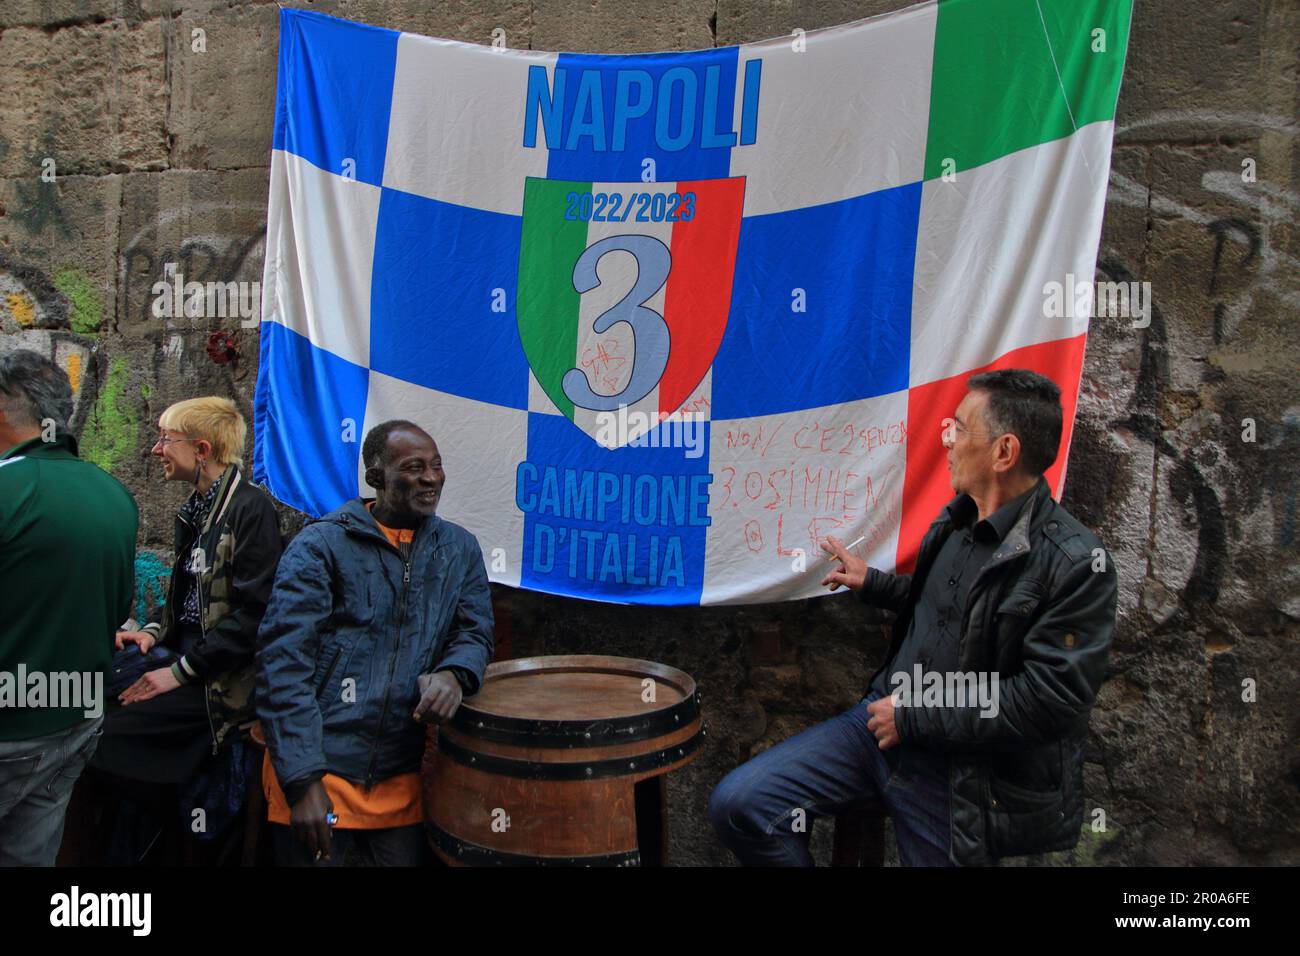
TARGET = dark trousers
(161,740)
(763,811)
(392,846)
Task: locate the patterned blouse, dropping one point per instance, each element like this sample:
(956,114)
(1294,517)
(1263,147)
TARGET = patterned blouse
(195,510)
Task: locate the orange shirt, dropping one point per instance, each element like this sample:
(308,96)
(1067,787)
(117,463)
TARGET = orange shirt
(394,802)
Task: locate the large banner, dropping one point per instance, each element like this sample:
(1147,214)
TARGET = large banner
(673,317)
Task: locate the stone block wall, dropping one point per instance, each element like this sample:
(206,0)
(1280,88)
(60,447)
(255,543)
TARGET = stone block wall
(157,117)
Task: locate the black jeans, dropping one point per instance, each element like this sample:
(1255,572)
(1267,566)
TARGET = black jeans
(392,846)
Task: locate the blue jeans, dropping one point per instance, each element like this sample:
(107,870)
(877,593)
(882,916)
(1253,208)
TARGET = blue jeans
(36,780)
(763,810)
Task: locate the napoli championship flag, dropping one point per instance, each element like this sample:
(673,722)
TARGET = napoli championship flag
(671,318)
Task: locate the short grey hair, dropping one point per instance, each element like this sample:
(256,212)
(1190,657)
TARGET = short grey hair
(1028,405)
(33,389)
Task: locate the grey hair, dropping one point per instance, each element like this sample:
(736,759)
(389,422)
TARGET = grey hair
(1028,405)
(33,389)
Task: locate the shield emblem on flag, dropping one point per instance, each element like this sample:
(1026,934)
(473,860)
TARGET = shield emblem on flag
(623,297)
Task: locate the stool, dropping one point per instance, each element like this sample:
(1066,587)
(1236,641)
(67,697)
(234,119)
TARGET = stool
(860,835)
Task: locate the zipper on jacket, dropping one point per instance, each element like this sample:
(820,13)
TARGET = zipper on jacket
(392,668)
(203,630)
(970,595)
(215,515)
(173,583)
(203,637)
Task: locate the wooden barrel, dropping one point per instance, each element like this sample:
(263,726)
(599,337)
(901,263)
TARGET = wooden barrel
(560,761)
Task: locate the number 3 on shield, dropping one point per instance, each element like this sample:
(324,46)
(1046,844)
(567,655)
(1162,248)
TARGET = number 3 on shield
(649,330)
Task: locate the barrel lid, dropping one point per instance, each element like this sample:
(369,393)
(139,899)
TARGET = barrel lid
(576,700)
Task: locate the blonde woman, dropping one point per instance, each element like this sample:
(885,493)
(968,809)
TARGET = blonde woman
(227,542)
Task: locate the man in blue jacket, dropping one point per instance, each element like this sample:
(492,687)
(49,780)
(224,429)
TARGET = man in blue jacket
(381,617)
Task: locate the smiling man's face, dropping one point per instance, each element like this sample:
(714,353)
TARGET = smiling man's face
(413,475)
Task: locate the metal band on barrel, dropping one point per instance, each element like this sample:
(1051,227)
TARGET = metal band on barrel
(581,770)
(475,854)
(571,734)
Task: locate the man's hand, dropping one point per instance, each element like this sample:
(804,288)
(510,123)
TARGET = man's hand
(152,684)
(141,639)
(308,820)
(882,722)
(440,695)
(852,570)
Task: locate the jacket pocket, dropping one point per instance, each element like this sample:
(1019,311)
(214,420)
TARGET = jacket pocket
(346,699)
(329,672)
(1016,798)
(1015,613)
(1022,820)
(1022,600)
(355,605)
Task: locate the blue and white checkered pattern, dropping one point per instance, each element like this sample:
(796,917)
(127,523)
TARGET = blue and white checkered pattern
(397,183)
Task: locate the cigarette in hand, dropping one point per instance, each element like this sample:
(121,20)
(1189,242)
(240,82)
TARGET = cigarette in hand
(848,547)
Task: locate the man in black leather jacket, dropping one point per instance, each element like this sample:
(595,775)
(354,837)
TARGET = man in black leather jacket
(973,731)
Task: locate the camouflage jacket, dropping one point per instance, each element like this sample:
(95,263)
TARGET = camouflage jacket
(235,551)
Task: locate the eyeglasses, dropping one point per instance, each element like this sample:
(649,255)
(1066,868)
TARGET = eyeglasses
(165,441)
(959,429)
(963,430)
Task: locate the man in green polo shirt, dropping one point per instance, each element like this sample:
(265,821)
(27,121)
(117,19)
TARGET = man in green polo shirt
(67,553)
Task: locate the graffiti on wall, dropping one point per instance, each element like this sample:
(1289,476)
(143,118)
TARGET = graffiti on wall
(36,314)
(1245,265)
(227,255)
(1255,257)
(152,577)
(57,316)
(111,428)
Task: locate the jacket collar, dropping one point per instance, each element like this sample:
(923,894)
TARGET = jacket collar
(63,445)
(1015,540)
(230,479)
(356,518)
(965,513)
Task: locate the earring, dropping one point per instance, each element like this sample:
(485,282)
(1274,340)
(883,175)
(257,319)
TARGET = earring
(199,473)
